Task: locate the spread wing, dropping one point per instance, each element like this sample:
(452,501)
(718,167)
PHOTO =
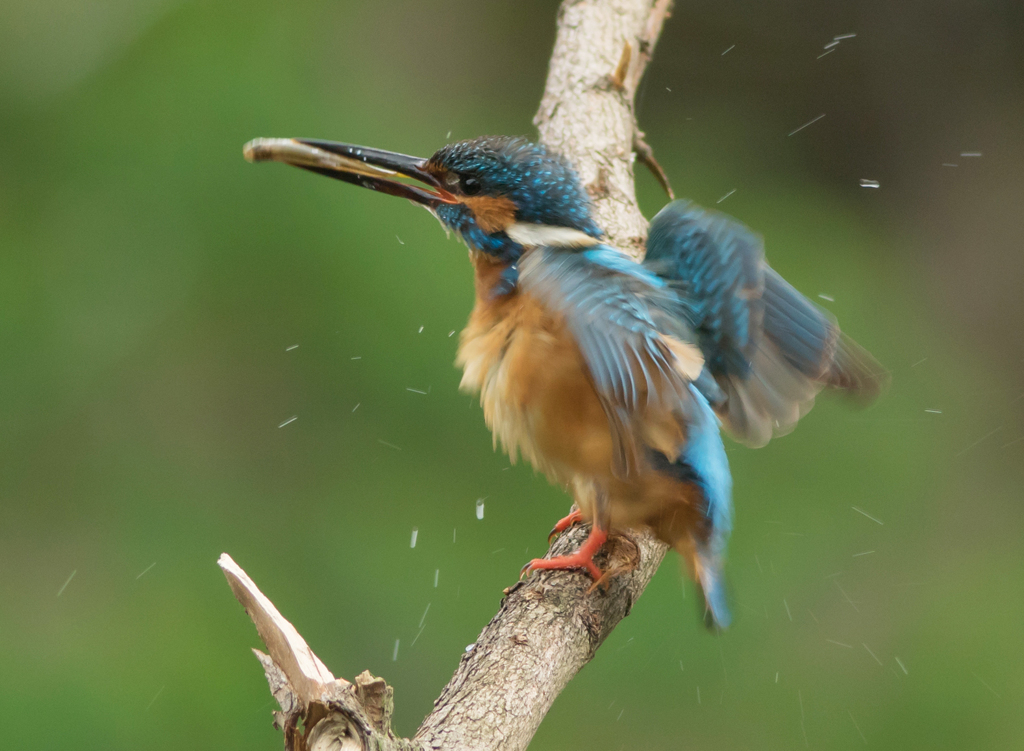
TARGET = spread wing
(631,332)
(769,348)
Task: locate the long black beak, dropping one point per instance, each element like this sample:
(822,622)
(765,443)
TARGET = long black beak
(359,165)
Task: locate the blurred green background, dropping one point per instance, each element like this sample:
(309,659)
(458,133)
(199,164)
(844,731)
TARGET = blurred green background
(154,286)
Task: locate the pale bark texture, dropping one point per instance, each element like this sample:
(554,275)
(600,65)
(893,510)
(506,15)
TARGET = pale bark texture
(551,625)
(586,113)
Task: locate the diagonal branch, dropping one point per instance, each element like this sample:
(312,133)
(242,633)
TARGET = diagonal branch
(587,112)
(550,626)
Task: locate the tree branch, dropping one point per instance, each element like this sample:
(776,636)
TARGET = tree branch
(587,111)
(550,626)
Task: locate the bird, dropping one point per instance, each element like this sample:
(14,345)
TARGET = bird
(614,378)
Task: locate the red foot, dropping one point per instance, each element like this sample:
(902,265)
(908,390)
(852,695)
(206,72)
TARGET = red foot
(582,558)
(563,524)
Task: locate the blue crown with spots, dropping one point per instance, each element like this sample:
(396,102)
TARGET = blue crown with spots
(541,184)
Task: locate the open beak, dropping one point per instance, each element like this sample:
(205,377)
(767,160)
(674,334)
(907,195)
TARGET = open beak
(371,168)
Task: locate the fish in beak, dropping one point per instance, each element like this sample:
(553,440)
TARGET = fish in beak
(370,168)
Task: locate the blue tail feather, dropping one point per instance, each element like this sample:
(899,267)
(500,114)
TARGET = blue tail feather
(717,612)
(705,454)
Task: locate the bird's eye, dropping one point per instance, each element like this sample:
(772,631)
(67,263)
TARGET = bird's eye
(469,185)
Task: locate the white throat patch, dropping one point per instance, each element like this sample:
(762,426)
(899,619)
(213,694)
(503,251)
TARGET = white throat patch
(546,235)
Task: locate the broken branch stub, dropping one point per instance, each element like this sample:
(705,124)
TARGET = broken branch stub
(308,677)
(336,715)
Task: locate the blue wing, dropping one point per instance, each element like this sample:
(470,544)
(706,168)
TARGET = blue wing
(720,265)
(769,348)
(620,315)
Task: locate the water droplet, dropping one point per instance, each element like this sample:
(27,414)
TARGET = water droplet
(479,508)
(61,590)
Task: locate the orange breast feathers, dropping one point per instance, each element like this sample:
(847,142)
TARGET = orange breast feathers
(536,391)
(532,381)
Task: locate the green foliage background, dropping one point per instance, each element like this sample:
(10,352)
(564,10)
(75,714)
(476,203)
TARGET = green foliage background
(152,283)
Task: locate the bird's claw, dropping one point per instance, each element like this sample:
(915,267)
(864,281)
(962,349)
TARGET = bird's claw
(563,562)
(564,523)
(581,559)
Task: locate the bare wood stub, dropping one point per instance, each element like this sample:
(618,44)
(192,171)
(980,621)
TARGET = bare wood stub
(318,712)
(305,673)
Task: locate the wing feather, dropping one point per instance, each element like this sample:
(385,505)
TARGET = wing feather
(769,348)
(618,314)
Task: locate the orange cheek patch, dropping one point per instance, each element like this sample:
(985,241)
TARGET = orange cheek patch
(493,213)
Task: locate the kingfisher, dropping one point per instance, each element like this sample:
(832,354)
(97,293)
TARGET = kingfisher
(614,377)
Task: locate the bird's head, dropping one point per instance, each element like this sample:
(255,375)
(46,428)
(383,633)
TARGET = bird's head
(500,194)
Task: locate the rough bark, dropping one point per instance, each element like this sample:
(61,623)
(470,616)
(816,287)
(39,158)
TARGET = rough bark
(586,113)
(551,625)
